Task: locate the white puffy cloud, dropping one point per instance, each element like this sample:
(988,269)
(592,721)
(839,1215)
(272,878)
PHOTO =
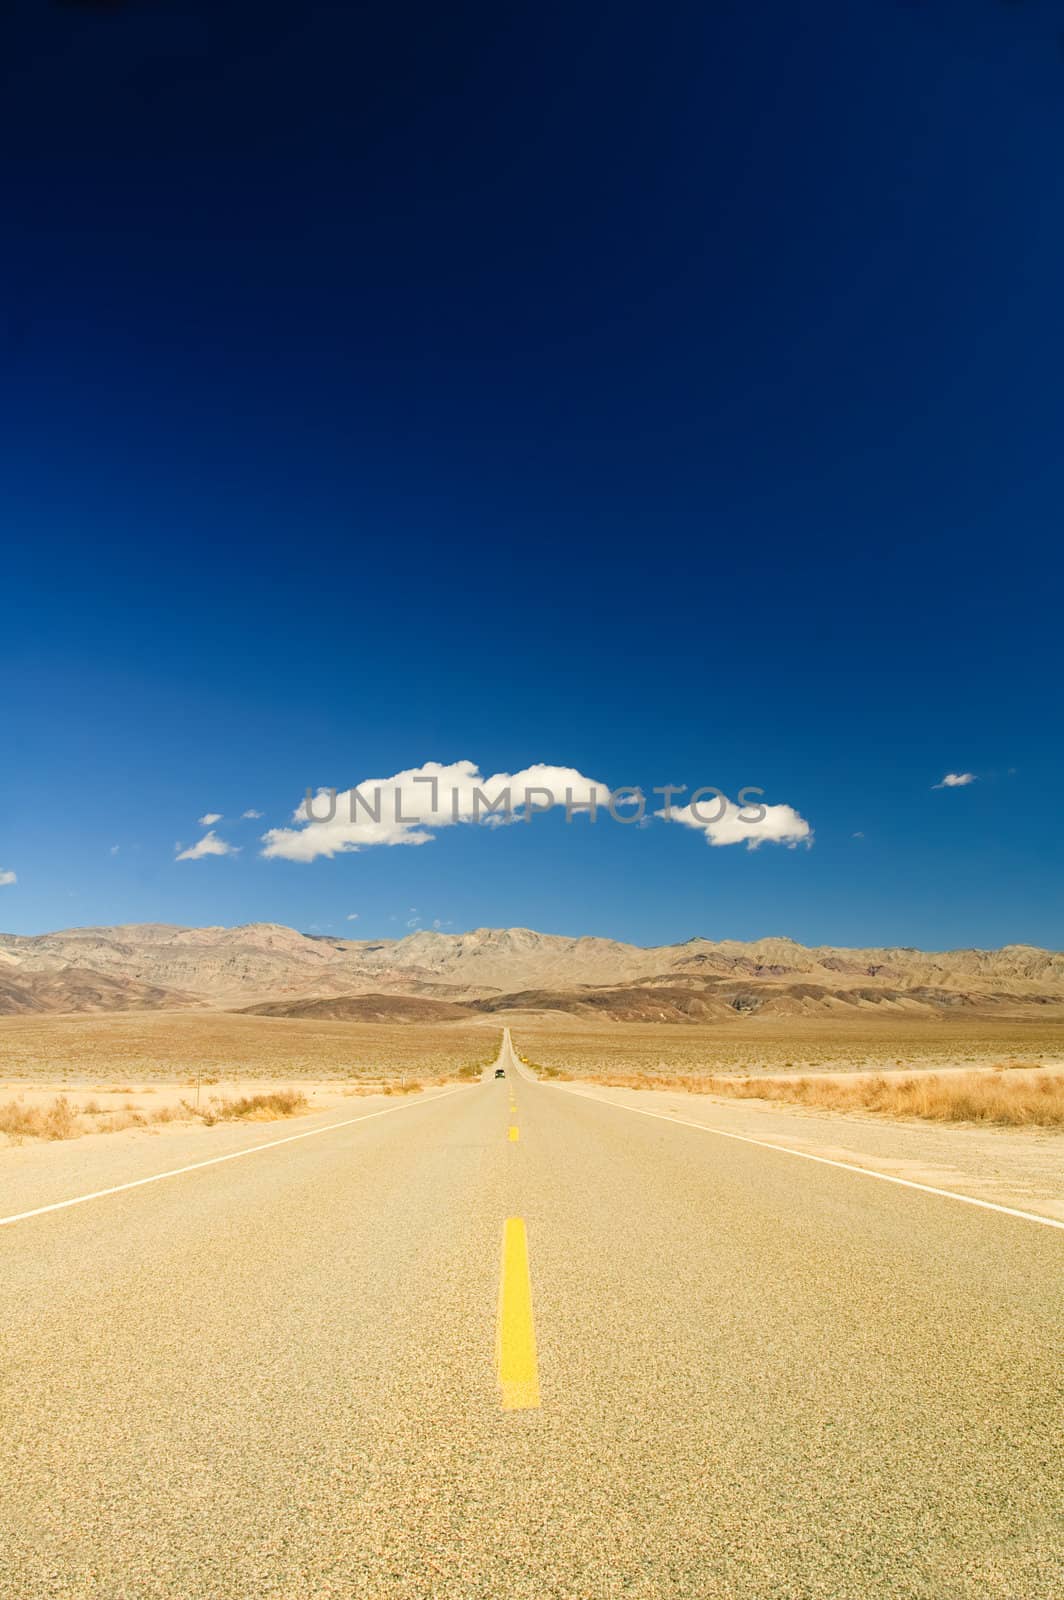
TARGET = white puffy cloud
(209,818)
(6,877)
(410,807)
(955,780)
(209,845)
(722,822)
(352,916)
(251,815)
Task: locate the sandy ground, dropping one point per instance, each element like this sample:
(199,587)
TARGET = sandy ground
(163,1046)
(148,1097)
(763,1044)
(101,1109)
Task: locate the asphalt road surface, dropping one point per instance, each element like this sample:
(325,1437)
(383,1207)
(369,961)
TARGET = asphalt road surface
(514,1342)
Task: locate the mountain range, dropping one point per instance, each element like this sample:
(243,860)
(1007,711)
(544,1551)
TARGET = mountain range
(274,970)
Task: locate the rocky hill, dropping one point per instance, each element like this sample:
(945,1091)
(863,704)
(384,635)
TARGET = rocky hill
(277,970)
(77,989)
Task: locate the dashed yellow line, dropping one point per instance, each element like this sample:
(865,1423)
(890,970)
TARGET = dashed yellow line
(516,1339)
(513,1135)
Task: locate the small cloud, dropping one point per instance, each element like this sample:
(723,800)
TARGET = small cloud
(209,818)
(252,816)
(7,877)
(413,922)
(722,822)
(955,780)
(115,848)
(856,835)
(352,916)
(209,845)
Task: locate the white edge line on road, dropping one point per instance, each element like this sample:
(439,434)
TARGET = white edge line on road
(232,1155)
(824,1161)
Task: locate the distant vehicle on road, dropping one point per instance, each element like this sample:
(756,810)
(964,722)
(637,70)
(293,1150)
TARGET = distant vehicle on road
(500,1072)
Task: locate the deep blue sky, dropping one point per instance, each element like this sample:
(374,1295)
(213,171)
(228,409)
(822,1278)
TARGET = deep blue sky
(671,393)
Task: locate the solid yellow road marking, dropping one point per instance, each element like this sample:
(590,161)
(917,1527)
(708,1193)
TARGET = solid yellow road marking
(516,1340)
(513,1135)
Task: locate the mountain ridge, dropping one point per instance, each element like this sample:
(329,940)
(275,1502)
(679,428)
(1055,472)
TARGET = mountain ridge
(161,965)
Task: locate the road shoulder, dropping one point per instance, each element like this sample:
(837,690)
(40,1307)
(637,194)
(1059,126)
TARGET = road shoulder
(1021,1168)
(44,1173)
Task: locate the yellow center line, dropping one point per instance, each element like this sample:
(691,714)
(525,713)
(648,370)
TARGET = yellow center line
(513,1135)
(516,1339)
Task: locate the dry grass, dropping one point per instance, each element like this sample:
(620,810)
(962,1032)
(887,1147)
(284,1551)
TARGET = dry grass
(60,1119)
(57,1121)
(401,1086)
(1036,1100)
(256,1107)
(549,1072)
(184,1046)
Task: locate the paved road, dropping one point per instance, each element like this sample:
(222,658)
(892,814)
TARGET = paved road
(752,1376)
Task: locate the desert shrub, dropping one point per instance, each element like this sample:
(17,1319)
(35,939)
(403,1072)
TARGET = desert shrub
(56,1121)
(258,1107)
(934,1097)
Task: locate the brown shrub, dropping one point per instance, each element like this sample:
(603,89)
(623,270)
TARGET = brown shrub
(258,1107)
(57,1121)
(549,1071)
